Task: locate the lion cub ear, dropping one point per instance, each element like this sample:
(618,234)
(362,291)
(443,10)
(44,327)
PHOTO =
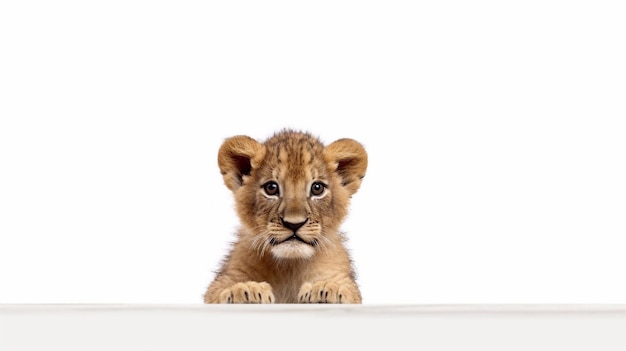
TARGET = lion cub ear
(348,158)
(237,157)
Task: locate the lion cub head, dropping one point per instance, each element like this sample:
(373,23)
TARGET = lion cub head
(291,191)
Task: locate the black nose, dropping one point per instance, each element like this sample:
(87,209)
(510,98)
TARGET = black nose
(292,226)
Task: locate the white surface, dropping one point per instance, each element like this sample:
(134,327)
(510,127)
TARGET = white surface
(495,131)
(282,327)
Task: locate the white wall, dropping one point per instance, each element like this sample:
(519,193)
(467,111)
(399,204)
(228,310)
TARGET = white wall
(496,135)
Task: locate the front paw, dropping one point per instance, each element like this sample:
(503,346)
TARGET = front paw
(248,292)
(328,292)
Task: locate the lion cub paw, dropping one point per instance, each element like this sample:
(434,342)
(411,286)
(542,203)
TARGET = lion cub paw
(328,292)
(248,292)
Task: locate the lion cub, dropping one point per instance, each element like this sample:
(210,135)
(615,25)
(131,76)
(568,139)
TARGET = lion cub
(291,194)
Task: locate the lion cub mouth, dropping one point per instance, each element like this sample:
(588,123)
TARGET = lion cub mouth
(292,247)
(294,237)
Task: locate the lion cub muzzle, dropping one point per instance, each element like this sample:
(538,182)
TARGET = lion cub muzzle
(293,227)
(295,244)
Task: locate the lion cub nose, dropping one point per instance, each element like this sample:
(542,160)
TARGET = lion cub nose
(293,226)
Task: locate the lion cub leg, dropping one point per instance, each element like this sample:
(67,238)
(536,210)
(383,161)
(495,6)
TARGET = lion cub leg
(329,292)
(246,292)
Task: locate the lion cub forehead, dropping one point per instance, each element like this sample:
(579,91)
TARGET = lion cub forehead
(295,154)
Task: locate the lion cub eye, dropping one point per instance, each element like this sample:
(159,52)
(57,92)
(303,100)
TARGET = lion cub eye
(317,188)
(271,188)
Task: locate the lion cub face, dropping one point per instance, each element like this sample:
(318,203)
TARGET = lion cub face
(291,192)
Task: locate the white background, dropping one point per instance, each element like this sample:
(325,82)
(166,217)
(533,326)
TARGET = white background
(495,131)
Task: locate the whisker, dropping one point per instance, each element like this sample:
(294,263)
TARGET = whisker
(265,246)
(325,243)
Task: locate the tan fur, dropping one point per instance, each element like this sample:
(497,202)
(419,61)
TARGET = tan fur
(264,266)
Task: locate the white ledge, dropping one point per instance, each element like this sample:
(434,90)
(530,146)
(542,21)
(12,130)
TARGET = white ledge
(313,327)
